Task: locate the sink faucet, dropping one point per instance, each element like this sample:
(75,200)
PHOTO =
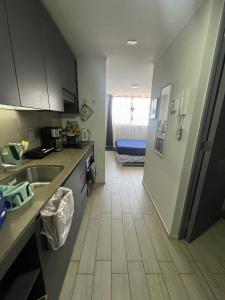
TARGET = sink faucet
(11,155)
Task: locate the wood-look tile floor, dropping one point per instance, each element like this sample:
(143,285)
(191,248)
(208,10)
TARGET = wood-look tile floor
(122,251)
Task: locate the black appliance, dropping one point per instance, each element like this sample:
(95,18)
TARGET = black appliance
(51,137)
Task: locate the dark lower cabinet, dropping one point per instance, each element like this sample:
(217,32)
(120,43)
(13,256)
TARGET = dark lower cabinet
(23,279)
(55,263)
(25,31)
(8,85)
(32,269)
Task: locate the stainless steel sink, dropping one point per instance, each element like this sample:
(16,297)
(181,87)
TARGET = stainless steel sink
(37,176)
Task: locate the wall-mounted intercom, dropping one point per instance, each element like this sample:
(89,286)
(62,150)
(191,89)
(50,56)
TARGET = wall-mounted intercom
(181,113)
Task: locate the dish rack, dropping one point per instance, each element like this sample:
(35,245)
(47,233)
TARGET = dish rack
(17,195)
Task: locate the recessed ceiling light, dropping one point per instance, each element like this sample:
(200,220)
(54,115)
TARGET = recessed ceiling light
(132,42)
(135,86)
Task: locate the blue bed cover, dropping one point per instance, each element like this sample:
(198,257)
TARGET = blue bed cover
(131,147)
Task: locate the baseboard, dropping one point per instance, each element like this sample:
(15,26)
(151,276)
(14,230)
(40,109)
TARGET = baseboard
(100,181)
(110,148)
(172,236)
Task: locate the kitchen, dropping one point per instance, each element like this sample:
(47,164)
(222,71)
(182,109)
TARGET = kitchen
(63,63)
(38,88)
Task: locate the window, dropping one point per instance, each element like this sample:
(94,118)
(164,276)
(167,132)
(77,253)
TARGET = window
(121,109)
(141,107)
(130,117)
(130,110)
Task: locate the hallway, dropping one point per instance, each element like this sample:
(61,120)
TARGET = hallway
(122,252)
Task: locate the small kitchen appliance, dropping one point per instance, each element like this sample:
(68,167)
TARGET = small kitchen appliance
(84,135)
(51,137)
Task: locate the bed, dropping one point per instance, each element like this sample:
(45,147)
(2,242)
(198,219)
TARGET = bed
(130,152)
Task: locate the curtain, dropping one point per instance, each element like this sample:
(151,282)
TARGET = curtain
(109,132)
(130,117)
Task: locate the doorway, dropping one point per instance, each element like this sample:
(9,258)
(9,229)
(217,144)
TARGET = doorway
(206,190)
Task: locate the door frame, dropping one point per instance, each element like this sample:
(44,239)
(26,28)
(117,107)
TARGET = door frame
(198,171)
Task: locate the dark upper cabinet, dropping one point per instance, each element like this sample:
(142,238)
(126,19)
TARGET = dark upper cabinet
(25,31)
(60,68)
(71,104)
(68,68)
(53,56)
(8,84)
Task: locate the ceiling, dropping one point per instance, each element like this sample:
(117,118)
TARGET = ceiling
(97,28)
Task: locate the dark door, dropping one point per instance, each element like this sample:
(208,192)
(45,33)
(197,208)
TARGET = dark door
(206,188)
(210,189)
(8,85)
(25,31)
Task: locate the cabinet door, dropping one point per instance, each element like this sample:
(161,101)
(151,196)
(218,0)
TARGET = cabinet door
(68,68)
(53,59)
(73,105)
(24,26)
(8,85)
(55,263)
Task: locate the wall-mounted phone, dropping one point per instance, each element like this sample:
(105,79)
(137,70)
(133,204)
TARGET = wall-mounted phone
(181,113)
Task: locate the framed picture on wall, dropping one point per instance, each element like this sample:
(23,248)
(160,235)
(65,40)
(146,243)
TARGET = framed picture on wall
(154,109)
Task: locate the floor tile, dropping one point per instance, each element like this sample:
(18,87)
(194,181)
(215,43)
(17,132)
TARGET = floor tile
(120,287)
(102,281)
(173,281)
(193,287)
(131,241)
(83,287)
(104,238)
(157,287)
(138,281)
(69,282)
(87,261)
(77,251)
(149,257)
(158,239)
(119,258)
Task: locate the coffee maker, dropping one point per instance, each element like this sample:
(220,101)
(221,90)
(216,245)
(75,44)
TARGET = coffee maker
(51,137)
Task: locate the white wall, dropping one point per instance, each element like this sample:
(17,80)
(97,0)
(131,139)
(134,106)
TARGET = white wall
(92,86)
(186,64)
(22,124)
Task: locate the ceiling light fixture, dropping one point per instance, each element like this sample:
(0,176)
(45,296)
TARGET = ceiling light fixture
(135,86)
(132,42)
